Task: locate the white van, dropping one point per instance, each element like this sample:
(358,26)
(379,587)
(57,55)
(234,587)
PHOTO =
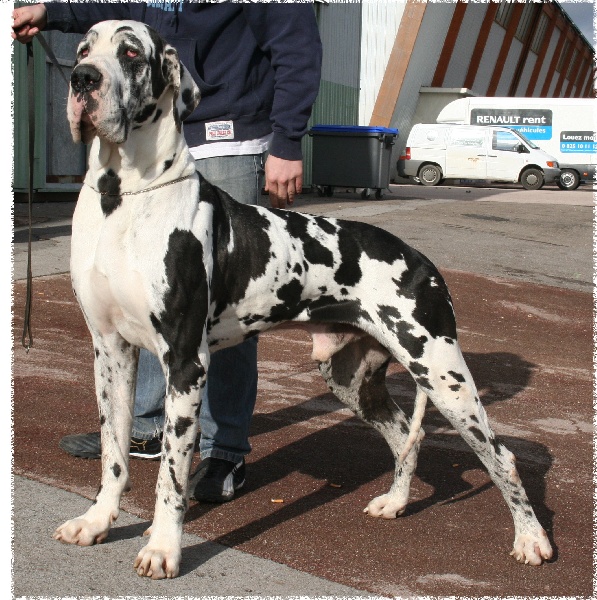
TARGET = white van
(435,152)
(564,127)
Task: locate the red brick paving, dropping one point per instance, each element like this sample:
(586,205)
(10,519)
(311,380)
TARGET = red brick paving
(530,350)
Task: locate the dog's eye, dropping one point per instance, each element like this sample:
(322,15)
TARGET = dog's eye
(132,53)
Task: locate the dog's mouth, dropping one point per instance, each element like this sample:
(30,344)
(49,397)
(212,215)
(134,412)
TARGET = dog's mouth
(82,126)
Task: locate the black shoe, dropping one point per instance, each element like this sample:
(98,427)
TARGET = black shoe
(88,445)
(216,480)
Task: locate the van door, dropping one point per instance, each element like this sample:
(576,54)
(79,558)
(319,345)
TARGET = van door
(466,153)
(505,162)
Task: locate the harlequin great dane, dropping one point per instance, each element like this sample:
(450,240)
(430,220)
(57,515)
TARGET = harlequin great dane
(165,261)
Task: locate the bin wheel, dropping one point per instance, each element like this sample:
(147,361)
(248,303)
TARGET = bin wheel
(329,191)
(320,191)
(379,194)
(366,194)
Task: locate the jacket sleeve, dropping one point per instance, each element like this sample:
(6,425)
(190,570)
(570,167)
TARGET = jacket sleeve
(288,33)
(78,17)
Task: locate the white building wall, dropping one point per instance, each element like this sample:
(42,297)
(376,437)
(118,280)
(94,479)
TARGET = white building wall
(514,53)
(552,87)
(489,60)
(526,74)
(379,26)
(421,68)
(555,36)
(465,45)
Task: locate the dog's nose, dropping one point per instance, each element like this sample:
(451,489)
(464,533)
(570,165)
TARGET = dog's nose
(85,78)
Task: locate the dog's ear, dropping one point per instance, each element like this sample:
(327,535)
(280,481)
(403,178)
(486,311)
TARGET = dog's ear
(186,92)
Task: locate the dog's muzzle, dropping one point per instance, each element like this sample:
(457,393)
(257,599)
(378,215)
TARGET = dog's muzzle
(85,79)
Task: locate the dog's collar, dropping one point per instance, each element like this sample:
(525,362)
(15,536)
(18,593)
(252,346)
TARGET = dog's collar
(149,189)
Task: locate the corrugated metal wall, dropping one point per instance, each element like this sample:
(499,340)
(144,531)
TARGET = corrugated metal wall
(465,45)
(421,68)
(337,102)
(58,164)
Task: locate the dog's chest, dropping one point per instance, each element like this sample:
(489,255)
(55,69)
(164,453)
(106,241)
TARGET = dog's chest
(116,270)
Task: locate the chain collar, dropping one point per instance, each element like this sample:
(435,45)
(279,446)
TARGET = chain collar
(149,189)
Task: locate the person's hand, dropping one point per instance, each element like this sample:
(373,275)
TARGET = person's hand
(283,180)
(28,21)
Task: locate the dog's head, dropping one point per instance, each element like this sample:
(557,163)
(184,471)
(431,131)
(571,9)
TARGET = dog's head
(122,70)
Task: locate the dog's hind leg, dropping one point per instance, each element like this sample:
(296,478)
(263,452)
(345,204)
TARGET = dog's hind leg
(115,368)
(452,390)
(356,374)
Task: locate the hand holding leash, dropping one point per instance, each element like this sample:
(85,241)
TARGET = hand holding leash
(28,21)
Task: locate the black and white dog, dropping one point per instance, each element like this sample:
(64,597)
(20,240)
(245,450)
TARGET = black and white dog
(165,261)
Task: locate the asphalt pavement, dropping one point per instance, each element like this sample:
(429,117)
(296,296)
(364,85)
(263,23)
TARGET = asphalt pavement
(519,264)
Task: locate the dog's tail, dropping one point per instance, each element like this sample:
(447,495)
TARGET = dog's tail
(415,424)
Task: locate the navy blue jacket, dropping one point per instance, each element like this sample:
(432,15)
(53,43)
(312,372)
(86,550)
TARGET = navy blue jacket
(256,64)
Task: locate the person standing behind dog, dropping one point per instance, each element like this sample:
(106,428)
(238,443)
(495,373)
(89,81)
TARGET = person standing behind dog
(258,68)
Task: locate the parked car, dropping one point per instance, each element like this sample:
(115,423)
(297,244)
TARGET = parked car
(435,152)
(564,127)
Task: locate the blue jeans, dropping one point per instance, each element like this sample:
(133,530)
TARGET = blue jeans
(229,398)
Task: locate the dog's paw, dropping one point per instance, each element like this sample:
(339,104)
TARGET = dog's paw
(386,507)
(532,549)
(157,563)
(81,532)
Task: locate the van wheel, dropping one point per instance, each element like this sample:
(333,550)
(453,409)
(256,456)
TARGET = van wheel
(430,174)
(569,180)
(532,179)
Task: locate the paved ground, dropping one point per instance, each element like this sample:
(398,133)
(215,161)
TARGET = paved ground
(529,346)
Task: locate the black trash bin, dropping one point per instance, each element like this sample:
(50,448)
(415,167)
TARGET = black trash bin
(351,156)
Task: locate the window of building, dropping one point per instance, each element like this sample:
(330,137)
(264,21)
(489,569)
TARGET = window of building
(539,33)
(505,141)
(565,48)
(572,64)
(525,25)
(504,14)
(582,71)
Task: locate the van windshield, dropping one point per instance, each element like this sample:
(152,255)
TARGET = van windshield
(526,140)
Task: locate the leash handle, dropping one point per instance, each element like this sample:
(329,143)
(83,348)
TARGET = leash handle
(27,337)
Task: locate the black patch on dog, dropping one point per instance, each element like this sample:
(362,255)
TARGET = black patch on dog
(477,433)
(116,470)
(314,251)
(181,426)
(185,309)
(145,113)
(108,185)
(349,272)
(234,270)
(457,376)
(418,368)
(414,345)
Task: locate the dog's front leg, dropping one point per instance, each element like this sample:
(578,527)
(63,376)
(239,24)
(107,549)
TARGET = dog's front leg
(115,375)
(160,558)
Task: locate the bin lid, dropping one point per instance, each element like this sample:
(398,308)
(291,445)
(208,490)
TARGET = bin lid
(352,129)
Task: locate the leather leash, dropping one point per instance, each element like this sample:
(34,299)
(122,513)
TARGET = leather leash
(27,337)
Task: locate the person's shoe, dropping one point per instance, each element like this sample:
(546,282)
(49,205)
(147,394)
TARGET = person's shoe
(88,445)
(216,480)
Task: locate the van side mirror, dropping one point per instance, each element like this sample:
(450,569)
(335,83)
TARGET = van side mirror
(522,149)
